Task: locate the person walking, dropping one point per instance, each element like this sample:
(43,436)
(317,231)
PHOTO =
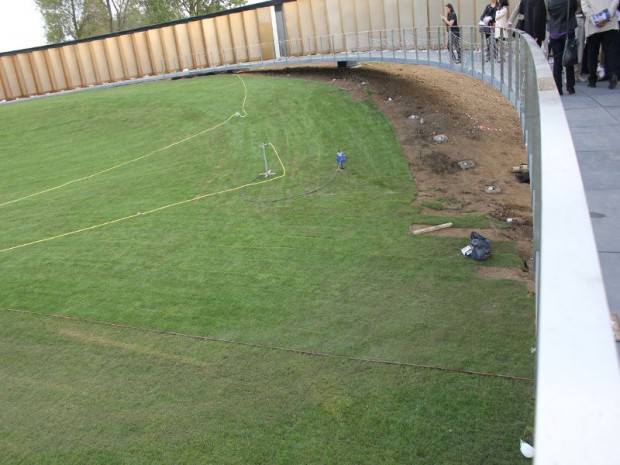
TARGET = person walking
(501,23)
(534,19)
(601,30)
(562,24)
(487,20)
(454,32)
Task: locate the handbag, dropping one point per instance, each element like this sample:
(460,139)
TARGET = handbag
(570,57)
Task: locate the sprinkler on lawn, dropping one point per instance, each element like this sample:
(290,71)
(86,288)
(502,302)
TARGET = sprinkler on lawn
(341,158)
(267,172)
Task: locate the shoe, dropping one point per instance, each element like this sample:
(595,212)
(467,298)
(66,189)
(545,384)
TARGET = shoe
(613,80)
(591,84)
(604,78)
(571,91)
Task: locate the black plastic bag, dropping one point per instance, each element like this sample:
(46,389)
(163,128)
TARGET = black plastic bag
(479,247)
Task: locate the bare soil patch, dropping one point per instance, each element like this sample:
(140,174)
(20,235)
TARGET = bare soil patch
(480,125)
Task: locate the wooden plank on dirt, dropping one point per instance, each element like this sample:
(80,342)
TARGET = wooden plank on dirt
(432,228)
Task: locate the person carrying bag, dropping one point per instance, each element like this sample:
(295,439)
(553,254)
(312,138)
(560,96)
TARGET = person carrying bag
(562,24)
(487,21)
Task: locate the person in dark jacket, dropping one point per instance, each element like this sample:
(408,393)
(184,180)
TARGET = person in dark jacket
(534,19)
(487,20)
(454,32)
(562,23)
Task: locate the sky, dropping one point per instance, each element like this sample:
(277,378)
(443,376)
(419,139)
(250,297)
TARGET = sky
(21,25)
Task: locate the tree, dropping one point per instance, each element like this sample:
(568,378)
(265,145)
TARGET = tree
(120,13)
(201,7)
(159,11)
(67,19)
(79,19)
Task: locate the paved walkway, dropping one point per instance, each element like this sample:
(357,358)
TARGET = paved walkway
(594,119)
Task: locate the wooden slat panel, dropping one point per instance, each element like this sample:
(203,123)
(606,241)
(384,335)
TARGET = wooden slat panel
(128,56)
(293,33)
(224,38)
(362,16)
(114,58)
(71,66)
(86,64)
(196,39)
(237,35)
(335,23)
(169,47)
(56,69)
(435,10)
(405,10)
(349,21)
(42,72)
(24,73)
(265,32)
(392,14)
(184,47)
(12,88)
(421,15)
(36,76)
(146,64)
(212,42)
(136,54)
(377,15)
(92,53)
(4,94)
(306,27)
(100,58)
(252,37)
(321,25)
(156,51)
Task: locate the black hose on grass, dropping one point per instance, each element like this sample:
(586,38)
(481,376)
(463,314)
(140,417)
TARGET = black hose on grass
(281,199)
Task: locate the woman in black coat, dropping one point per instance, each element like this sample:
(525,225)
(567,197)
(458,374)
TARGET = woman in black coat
(534,19)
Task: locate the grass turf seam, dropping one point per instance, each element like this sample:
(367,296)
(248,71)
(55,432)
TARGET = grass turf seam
(308,352)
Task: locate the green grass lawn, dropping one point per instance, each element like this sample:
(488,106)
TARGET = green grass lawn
(336,271)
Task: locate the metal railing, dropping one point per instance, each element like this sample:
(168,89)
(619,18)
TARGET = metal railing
(412,45)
